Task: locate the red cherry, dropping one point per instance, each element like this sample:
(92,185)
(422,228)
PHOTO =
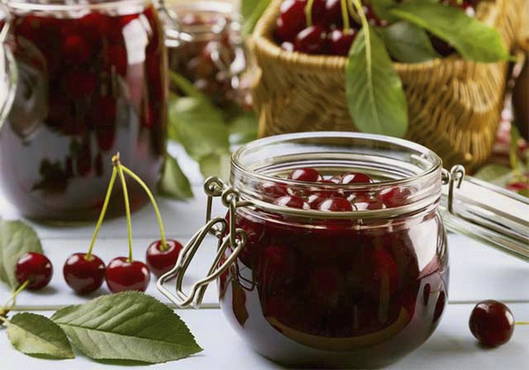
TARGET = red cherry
(518,186)
(273,190)
(394,197)
(84,274)
(364,202)
(122,275)
(291,19)
(159,260)
(291,201)
(318,11)
(340,41)
(35,268)
(305,174)
(315,200)
(333,13)
(311,40)
(356,178)
(492,323)
(336,204)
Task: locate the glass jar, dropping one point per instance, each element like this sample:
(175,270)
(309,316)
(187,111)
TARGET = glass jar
(354,289)
(91,82)
(208,51)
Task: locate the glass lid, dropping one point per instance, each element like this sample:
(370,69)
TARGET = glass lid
(486,212)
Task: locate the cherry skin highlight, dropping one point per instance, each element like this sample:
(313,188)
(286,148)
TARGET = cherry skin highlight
(84,274)
(35,268)
(492,323)
(161,261)
(122,275)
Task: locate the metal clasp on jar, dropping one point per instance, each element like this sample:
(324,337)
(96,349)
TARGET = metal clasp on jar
(236,240)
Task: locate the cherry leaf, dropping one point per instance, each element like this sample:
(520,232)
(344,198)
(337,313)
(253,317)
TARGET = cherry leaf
(408,43)
(38,336)
(375,95)
(129,326)
(174,183)
(16,239)
(473,39)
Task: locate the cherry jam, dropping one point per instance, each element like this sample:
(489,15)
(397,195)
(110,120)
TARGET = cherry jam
(326,290)
(91,82)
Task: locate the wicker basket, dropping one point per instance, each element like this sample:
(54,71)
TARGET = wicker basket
(454,105)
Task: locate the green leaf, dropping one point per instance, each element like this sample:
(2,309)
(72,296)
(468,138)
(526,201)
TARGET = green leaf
(128,326)
(186,86)
(199,127)
(174,183)
(408,43)
(39,336)
(495,173)
(216,165)
(16,239)
(375,96)
(243,128)
(471,38)
(382,9)
(251,11)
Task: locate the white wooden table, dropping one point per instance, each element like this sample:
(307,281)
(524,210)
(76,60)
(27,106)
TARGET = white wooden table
(477,272)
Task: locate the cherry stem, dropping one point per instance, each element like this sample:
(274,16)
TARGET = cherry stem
(164,246)
(119,167)
(308,12)
(88,256)
(11,302)
(345,15)
(521,323)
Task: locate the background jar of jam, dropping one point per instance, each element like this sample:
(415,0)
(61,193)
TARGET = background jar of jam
(91,82)
(209,51)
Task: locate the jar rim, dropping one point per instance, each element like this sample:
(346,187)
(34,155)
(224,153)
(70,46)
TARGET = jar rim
(436,162)
(62,6)
(407,164)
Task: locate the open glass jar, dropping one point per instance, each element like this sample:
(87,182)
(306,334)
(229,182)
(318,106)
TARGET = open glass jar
(91,82)
(358,288)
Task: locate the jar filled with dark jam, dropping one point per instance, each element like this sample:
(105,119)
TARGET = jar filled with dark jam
(91,82)
(208,51)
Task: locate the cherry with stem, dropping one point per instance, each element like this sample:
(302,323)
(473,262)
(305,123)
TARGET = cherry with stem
(123,273)
(162,254)
(85,272)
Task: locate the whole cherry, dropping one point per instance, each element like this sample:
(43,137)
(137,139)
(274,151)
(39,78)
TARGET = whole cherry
(161,257)
(492,323)
(335,204)
(311,40)
(35,269)
(123,274)
(340,41)
(305,174)
(291,201)
(84,272)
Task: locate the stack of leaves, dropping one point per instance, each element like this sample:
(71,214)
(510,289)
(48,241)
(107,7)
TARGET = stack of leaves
(129,326)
